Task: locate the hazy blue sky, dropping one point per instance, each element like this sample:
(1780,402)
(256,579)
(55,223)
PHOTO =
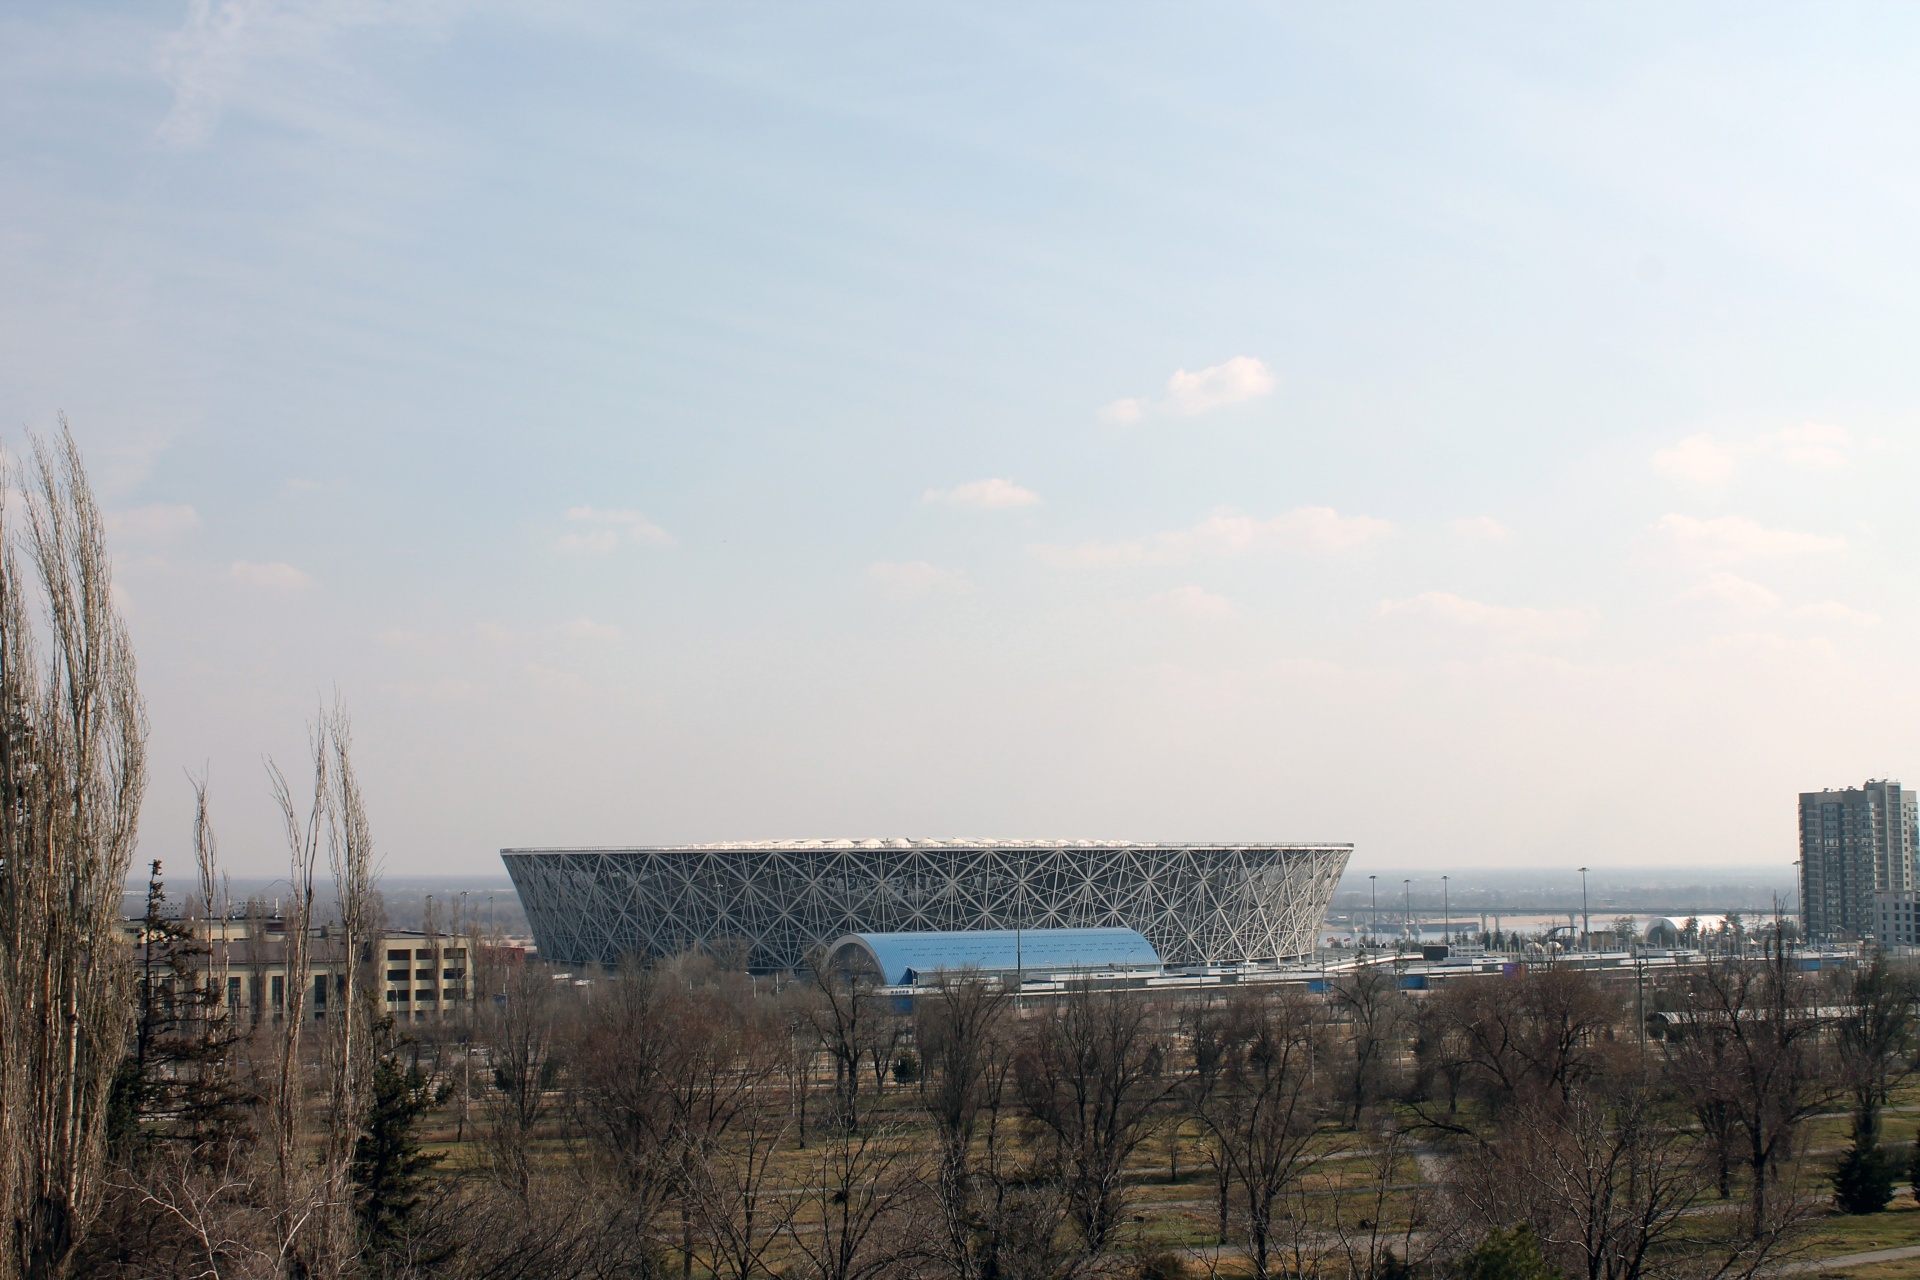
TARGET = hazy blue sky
(1484,433)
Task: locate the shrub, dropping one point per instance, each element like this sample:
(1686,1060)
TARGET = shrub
(1162,1266)
(1508,1255)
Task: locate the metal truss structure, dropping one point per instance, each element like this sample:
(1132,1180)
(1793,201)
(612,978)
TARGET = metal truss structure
(1197,903)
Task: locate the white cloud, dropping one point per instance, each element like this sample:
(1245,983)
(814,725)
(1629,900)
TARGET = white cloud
(278,575)
(983,493)
(1097,555)
(449,690)
(916,580)
(1309,529)
(494,633)
(1478,528)
(1194,602)
(400,638)
(553,680)
(1232,382)
(1726,540)
(1504,624)
(242,51)
(1834,611)
(599,542)
(606,530)
(1730,591)
(1701,459)
(1712,460)
(1813,445)
(585,628)
(156,521)
(1302,529)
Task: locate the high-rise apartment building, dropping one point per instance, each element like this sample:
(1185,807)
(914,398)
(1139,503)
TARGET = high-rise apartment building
(1853,844)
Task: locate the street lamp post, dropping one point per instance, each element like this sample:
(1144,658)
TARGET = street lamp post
(1407,888)
(1586,917)
(1446,914)
(1373,931)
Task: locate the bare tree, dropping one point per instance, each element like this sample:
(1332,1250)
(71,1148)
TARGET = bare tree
(854,1220)
(845,1019)
(522,1036)
(350,1022)
(674,1064)
(739,1210)
(1261,1113)
(1207,1029)
(963,1035)
(1747,1044)
(1379,1228)
(1875,1035)
(623,1062)
(73,766)
(797,1005)
(1543,1029)
(298,1191)
(1609,1182)
(1092,1073)
(1373,1010)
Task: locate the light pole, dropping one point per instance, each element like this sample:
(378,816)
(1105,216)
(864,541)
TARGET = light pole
(1407,887)
(1446,915)
(1586,918)
(1796,900)
(1373,932)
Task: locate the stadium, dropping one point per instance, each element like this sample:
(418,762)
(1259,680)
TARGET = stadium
(1199,904)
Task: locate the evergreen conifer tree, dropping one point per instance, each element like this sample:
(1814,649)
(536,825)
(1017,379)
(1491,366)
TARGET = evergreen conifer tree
(1513,1254)
(390,1171)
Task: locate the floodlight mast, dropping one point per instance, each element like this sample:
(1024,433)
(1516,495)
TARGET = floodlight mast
(1019,921)
(1586,917)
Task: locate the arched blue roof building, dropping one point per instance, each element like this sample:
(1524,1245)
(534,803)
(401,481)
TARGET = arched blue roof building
(903,958)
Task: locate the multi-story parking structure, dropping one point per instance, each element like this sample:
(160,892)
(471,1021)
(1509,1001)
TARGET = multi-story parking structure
(776,901)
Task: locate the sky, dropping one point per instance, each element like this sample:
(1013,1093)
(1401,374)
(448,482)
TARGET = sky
(1483,433)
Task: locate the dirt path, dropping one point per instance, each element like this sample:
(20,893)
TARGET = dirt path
(1814,1266)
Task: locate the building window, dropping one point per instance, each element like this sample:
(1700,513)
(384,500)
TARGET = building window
(398,955)
(279,991)
(319,991)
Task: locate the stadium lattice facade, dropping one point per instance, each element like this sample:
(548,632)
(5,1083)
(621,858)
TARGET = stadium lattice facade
(1197,903)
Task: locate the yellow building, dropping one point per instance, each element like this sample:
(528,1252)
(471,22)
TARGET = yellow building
(417,975)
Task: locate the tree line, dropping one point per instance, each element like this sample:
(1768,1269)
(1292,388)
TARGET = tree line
(684,1118)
